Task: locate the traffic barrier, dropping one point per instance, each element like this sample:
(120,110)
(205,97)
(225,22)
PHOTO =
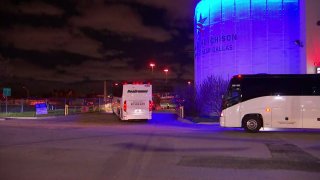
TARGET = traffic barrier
(181,112)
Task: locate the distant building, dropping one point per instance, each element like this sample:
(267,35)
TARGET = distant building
(256,36)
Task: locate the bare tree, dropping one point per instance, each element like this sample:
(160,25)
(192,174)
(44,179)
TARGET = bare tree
(209,95)
(205,99)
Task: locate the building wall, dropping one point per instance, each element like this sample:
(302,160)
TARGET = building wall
(247,37)
(312,34)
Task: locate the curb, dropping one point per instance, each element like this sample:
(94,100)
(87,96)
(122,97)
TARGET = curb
(209,123)
(27,118)
(188,121)
(185,120)
(198,120)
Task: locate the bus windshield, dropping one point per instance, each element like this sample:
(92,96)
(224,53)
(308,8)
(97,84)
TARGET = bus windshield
(232,97)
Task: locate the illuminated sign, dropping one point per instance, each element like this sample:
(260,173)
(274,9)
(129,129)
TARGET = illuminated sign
(6,92)
(41,108)
(200,24)
(137,91)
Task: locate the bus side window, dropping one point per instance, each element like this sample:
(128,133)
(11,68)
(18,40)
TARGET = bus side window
(315,91)
(310,91)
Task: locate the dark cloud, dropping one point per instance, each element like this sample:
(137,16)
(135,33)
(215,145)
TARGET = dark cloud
(45,39)
(118,18)
(80,40)
(43,60)
(35,8)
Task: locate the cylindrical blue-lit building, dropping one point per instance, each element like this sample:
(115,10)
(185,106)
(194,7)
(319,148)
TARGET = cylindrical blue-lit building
(248,37)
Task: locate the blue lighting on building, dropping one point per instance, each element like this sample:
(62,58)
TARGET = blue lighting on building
(246,37)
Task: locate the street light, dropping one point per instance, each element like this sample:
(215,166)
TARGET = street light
(189,83)
(166,72)
(152,65)
(27,91)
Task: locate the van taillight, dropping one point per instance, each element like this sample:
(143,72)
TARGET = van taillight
(150,105)
(125,106)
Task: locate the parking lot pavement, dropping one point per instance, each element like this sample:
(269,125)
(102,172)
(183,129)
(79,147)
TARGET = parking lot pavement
(99,146)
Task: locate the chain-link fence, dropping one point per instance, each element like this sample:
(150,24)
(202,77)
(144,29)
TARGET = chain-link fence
(54,106)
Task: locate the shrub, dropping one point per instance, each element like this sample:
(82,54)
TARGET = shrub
(205,99)
(209,95)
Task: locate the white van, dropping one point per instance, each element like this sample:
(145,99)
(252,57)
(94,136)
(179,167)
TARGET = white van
(132,101)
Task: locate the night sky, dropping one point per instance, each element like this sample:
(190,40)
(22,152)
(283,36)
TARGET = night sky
(72,43)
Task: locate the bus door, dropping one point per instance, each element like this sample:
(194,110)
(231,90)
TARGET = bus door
(311,112)
(232,104)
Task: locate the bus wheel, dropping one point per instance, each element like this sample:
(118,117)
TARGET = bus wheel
(252,124)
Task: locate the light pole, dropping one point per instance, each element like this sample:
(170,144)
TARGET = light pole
(27,91)
(152,65)
(166,86)
(166,72)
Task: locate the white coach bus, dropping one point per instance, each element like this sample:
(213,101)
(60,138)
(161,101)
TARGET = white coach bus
(132,101)
(273,101)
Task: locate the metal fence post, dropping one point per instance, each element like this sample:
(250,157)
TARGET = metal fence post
(66,109)
(99,104)
(6,104)
(21,105)
(182,112)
